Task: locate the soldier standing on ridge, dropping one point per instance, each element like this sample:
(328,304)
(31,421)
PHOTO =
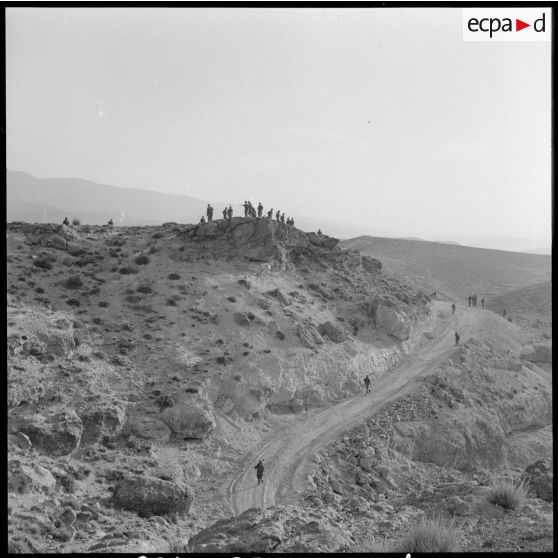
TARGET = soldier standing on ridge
(225,213)
(230,212)
(260,209)
(110,223)
(259,471)
(453,308)
(282,218)
(270,214)
(457,339)
(278,215)
(319,232)
(66,221)
(209,212)
(202,220)
(367,384)
(245,208)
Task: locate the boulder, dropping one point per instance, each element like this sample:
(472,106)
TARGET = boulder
(277,294)
(241,319)
(149,428)
(149,496)
(540,477)
(102,420)
(334,331)
(310,336)
(192,418)
(56,241)
(392,321)
(371,265)
(57,434)
(22,478)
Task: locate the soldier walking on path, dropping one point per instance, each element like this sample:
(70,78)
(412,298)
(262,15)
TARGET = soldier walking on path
(367,384)
(453,308)
(259,471)
(260,209)
(457,339)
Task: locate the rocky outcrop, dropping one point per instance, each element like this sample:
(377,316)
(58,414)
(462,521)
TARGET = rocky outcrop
(309,335)
(392,321)
(191,418)
(57,434)
(540,478)
(277,294)
(275,529)
(540,355)
(334,332)
(371,265)
(149,496)
(323,241)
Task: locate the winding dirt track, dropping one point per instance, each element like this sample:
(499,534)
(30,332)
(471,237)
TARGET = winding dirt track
(286,456)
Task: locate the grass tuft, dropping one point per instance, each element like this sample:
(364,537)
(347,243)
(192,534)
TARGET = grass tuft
(507,494)
(435,534)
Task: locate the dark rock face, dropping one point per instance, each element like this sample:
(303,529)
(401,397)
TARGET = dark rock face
(371,265)
(22,478)
(151,496)
(276,293)
(105,419)
(191,418)
(58,434)
(241,319)
(540,477)
(334,331)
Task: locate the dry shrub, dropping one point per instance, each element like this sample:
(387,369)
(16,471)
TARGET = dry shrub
(42,264)
(74,282)
(141,260)
(435,534)
(507,494)
(76,222)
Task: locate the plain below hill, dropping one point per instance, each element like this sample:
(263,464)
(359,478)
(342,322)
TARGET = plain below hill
(455,271)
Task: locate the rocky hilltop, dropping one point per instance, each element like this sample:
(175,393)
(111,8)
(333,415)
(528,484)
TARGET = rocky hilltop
(147,366)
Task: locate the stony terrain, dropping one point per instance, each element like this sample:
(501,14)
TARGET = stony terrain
(148,367)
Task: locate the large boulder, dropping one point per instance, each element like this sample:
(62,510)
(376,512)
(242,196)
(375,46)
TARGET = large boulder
(371,265)
(540,477)
(57,434)
(149,496)
(309,335)
(334,331)
(149,428)
(104,419)
(190,418)
(23,478)
(392,321)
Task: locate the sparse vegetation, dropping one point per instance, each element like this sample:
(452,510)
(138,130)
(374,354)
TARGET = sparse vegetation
(74,282)
(173,276)
(508,495)
(42,264)
(434,534)
(76,222)
(144,288)
(128,270)
(142,260)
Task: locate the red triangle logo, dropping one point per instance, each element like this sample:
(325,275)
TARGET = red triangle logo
(519,25)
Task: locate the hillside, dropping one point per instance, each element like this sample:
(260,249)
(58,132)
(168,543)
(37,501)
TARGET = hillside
(148,367)
(453,271)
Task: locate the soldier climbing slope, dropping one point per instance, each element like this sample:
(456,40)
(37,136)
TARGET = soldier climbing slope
(259,471)
(260,209)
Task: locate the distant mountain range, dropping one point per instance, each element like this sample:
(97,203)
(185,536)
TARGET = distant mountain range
(44,200)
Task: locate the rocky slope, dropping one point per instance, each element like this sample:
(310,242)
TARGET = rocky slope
(143,363)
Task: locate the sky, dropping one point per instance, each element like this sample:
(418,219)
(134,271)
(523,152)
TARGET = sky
(383,118)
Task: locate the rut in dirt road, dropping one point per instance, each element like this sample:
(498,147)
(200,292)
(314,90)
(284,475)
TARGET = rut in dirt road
(286,456)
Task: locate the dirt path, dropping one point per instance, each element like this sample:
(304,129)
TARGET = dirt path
(286,456)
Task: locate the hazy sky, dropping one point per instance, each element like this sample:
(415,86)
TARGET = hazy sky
(380,117)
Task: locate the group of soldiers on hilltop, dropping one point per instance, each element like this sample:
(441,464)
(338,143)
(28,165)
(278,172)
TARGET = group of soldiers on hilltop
(249,211)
